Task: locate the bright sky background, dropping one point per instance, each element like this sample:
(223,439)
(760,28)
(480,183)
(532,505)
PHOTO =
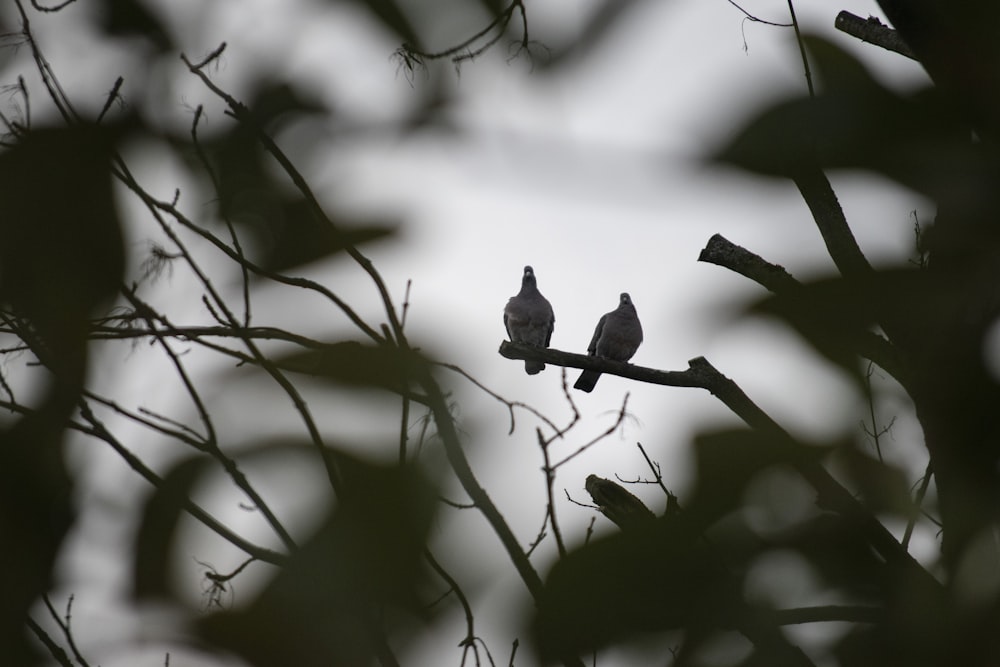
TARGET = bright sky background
(591,173)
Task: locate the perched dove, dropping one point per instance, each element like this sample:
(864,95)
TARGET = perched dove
(529,319)
(617,337)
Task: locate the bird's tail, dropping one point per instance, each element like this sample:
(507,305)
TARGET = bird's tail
(533,367)
(586,381)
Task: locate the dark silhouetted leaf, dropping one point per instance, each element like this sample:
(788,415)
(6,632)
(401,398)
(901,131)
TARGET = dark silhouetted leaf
(62,253)
(855,122)
(279,226)
(274,103)
(836,314)
(36,512)
(960,52)
(883,487)
(393,18)
(298,236)
(653,577)
(727,462)
(158,528)
(130,18)
(329,604)
(353,363)
(839,551)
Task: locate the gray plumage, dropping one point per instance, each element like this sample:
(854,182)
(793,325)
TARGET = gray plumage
(529,319)
(617,336)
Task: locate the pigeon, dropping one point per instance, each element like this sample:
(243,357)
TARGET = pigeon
(529,319)
(617,336)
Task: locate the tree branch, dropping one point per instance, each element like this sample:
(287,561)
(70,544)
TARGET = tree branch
(722,252)
(701,374)
(829,216)
(873,31)
(519,351)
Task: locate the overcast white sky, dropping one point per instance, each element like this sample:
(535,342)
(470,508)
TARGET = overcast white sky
(591,173)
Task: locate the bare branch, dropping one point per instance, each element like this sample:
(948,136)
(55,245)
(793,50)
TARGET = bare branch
(550,479)
(520,351)
(672,505)
(756,19)
(723,252)
(873,31)
(467,48)
(54,8)
(802,49)
(469,642)
(65,624)
(113,95)
(622,412)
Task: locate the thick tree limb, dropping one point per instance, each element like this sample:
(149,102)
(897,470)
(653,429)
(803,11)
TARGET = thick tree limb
(829,217)
(873,31)
(722,252)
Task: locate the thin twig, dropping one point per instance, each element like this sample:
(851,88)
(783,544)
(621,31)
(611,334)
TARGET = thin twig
(925,483)
(113,95)
(510,405)
(802,49)
(463,50)
(217,186)
(52,85)
(756,19)
(65,624)
(453,587)
(622,412)
(550,479)
(672,505)
(54,8)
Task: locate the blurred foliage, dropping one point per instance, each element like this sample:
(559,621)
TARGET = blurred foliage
(684,572)
(282,228)
(327,603)
(132,18)
(353,363)
(357,584)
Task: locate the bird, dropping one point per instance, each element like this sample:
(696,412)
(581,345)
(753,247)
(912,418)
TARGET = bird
(617,336)
(529,319)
